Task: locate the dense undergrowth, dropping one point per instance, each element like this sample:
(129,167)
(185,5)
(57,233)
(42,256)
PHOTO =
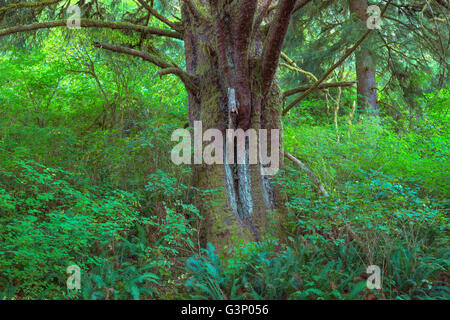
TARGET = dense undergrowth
(109,200)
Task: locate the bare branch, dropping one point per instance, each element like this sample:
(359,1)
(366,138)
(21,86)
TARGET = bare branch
(132,52)
(322,86)
(325,76)
(88,23)
(297,69)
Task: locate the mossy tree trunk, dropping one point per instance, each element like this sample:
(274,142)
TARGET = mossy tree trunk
(227,48)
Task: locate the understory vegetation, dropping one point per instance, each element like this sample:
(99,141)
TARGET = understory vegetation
(111,202)
(86,179)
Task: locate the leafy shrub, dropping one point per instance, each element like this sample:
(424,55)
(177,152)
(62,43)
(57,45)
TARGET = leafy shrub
(51,220)
(48,221)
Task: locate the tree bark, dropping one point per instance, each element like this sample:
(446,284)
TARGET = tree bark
(222,59)
(365,68)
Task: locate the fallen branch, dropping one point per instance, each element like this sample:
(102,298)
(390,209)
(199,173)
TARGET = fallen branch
(302,166)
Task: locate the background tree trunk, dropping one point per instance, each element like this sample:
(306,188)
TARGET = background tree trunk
(365,68)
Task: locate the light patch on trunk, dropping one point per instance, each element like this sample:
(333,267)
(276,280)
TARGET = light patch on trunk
(230,186)
(244,188)
(268,192)
(240,192)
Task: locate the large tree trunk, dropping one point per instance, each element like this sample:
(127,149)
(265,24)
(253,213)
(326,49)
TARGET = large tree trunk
(246,201)
(365,68)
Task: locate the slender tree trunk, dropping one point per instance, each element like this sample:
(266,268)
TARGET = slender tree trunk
(246,202)
(365,68)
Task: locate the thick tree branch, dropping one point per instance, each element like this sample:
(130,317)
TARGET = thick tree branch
(195,12)
(242,35)
(88,23)
(274,43)
(290,92)
(311,175)
(258,20)
(244,24)
(166,66)
(132,52)
(184,76)
(223,32)
(337,64)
